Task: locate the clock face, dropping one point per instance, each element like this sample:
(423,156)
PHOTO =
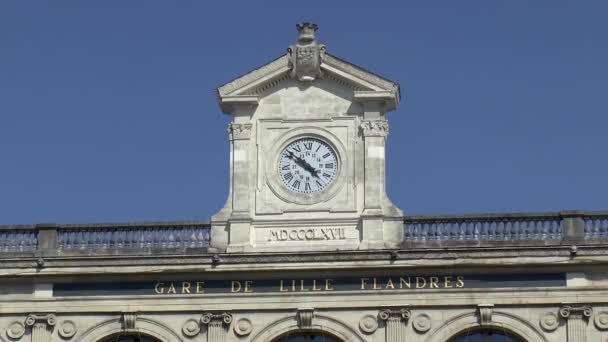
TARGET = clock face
(308,165)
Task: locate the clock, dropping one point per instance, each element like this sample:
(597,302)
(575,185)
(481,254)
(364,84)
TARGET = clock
(308,165)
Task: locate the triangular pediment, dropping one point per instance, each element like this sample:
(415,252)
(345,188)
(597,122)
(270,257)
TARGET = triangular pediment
(365,84)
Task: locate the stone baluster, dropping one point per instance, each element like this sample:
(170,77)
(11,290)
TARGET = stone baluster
(577,317)
(395,323)
(42,326)
(217,325)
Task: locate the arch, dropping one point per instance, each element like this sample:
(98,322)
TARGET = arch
(143,326)
(500,321)
(321,323)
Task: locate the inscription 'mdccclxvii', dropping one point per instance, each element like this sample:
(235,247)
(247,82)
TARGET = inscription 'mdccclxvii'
(306,234)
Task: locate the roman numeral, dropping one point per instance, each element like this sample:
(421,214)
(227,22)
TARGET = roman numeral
(308,145)
(296,184)
(307,186)
(329,166)
(326,175)
(285,167)
(318,147)
(318,183)
(288,176)
(326,155)
(297,148)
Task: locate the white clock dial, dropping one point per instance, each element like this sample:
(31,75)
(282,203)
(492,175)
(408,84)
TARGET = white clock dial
(308,165)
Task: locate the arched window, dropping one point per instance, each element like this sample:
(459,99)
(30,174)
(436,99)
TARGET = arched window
(130,338)
(307,337)
(486,336)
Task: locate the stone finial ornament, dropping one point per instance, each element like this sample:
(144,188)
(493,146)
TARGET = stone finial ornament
(305,57)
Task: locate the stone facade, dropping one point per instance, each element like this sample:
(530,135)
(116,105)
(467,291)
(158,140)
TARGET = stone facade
(343,262)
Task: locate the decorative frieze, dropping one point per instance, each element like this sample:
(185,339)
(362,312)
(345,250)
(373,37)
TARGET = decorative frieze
(239,131)
(577,317)
(374,128)
(395,323)
(41,325)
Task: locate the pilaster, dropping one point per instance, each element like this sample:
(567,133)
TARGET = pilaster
(41,326)
(217,324)
(577,317)
(395,323)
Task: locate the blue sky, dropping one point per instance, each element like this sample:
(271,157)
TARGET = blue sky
(108,111)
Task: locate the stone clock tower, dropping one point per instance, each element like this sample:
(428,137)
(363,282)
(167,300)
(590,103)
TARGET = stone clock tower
(307,149)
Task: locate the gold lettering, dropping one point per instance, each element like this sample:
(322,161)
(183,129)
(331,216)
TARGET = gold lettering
(200,287)
(328,285)
(171,289)
(248,284)
(389,284)
(376,287)
(407,283)
(302,288)
(420,282)
(364,283)
(459,281)
(159,288)
(314,285)
(186,287)
(433,282)
(281,288)
(235,286)
(447,282)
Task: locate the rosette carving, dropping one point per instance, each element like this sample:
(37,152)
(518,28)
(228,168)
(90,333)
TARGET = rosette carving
(243,327)
(549,321)
(422,323)
(67,329)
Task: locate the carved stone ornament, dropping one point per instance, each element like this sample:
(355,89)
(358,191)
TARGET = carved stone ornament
(224,318)
(578,311)
(243,327)
(422,323)
(368,324)
(374,128)
(485,313)
(48,319)
(67,329)
(15,330)
(388,314)
(305,317)
(191,328)
(128,321)
(239,131)
(305,57)
(549,321)
(601,320)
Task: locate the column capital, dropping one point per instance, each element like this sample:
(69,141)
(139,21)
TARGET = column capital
(576,311)
(395,314)
(374,128)
(239,131)
(223,318)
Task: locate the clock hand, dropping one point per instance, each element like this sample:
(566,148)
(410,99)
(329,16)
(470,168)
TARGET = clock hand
(304,164)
